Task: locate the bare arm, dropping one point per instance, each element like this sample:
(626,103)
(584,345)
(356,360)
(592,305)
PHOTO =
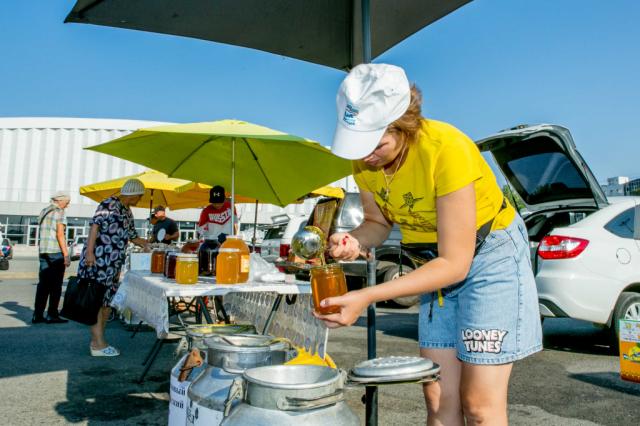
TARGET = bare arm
(90,258)
(371,233)
(62,240)
(456,243)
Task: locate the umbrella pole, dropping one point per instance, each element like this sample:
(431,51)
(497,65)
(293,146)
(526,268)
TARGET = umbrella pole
(255,225)
(150,230)
(371,395)
(233,184)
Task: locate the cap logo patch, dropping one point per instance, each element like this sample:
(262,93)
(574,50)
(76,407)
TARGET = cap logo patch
(350,114)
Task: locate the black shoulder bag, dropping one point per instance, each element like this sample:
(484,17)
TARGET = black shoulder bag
(82,300)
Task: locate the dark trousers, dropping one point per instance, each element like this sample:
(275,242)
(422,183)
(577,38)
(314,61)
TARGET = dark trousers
(50,284)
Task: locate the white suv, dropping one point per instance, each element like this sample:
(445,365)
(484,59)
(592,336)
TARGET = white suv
(585,251)
(277,242)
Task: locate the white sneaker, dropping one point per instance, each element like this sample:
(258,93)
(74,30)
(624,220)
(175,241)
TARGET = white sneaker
(108,351)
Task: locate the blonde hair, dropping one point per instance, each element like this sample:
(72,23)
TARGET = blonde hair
(408,126)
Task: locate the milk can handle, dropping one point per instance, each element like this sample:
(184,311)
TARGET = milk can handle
(300,404)
(236,391)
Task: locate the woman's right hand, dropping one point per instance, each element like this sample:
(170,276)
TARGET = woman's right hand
(344,246)
(89,258)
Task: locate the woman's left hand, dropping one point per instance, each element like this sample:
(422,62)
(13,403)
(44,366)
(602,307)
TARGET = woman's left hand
(351,306)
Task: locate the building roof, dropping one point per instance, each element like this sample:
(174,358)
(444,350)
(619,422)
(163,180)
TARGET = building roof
(75,123)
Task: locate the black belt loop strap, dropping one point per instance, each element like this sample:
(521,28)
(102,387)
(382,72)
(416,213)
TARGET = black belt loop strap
(421,253)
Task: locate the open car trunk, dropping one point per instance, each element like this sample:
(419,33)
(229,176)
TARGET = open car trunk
(548,180)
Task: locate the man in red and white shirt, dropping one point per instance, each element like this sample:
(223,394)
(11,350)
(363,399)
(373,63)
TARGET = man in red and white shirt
(215,219)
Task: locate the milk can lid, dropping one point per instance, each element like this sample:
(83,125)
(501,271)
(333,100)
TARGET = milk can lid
(394,369)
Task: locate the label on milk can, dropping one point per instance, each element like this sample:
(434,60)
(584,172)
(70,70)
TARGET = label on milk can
(630,350)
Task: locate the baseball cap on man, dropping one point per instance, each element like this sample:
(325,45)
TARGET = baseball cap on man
(217,194)
(132,186)
(371,97)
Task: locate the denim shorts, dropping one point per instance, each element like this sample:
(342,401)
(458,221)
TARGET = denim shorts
(492,317)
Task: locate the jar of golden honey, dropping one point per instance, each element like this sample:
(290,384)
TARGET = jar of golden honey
(187,268)
(244,259)
(327,281)
(228,266)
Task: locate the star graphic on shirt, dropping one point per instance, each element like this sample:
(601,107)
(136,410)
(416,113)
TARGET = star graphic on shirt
(409,201)
(384,194)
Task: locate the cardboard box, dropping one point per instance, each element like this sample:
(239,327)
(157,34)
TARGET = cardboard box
(140,262)
(630,350)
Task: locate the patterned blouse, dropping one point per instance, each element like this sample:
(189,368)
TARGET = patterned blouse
(115,229)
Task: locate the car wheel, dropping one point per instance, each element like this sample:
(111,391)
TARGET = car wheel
(393,272)
(627,308)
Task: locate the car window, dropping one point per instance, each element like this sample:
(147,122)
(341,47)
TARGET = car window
(623,224)
(274,233)
(548,176)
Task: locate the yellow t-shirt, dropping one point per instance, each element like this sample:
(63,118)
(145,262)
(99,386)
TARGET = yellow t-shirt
(441,161)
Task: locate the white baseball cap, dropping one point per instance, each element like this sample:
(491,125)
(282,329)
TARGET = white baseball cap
(132,187)
(371,97)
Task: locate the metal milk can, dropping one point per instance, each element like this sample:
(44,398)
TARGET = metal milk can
(313,395)
(227,358)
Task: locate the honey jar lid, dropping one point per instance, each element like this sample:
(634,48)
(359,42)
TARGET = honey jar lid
(187,256)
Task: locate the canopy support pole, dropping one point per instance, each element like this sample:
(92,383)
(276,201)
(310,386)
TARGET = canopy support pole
(371,395)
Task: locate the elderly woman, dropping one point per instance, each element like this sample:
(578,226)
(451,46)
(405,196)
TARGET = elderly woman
(112,228)
(479,310)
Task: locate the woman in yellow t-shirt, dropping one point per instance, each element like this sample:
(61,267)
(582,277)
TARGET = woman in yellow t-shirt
(479,305)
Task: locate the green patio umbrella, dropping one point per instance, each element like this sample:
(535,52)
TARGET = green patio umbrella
(255,161)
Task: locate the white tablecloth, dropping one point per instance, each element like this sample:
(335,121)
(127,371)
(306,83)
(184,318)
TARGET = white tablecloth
(146,294)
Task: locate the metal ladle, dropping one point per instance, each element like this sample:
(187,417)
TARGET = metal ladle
(309,243)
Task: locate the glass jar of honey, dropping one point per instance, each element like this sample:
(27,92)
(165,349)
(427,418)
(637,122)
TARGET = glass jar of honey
(327,281)
(157,260)
(187,268)
(170,264)
(228,266)
(235,242)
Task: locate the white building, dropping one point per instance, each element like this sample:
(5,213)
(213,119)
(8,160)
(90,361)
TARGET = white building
(615,186)
(39,156)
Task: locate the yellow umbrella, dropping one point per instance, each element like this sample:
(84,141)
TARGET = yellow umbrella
(161,190)
(326,191)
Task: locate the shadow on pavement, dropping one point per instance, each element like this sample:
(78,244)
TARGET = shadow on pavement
(576,336)
(608,380)
(99,390)
(399,324)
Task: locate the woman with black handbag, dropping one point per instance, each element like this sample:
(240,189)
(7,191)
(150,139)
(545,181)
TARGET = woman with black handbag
(112,228)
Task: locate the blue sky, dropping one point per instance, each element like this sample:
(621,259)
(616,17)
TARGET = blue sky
(490,65)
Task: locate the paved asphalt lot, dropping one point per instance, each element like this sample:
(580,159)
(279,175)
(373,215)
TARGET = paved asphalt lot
(47,376)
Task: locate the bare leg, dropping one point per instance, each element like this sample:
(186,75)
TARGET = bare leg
(483,391)
(443,397)
(97,330)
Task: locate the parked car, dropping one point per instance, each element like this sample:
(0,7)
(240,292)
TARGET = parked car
(270,246)
(344,215)
(76,246)
(277,243)
(6,247)
(581,265)
(591,270)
